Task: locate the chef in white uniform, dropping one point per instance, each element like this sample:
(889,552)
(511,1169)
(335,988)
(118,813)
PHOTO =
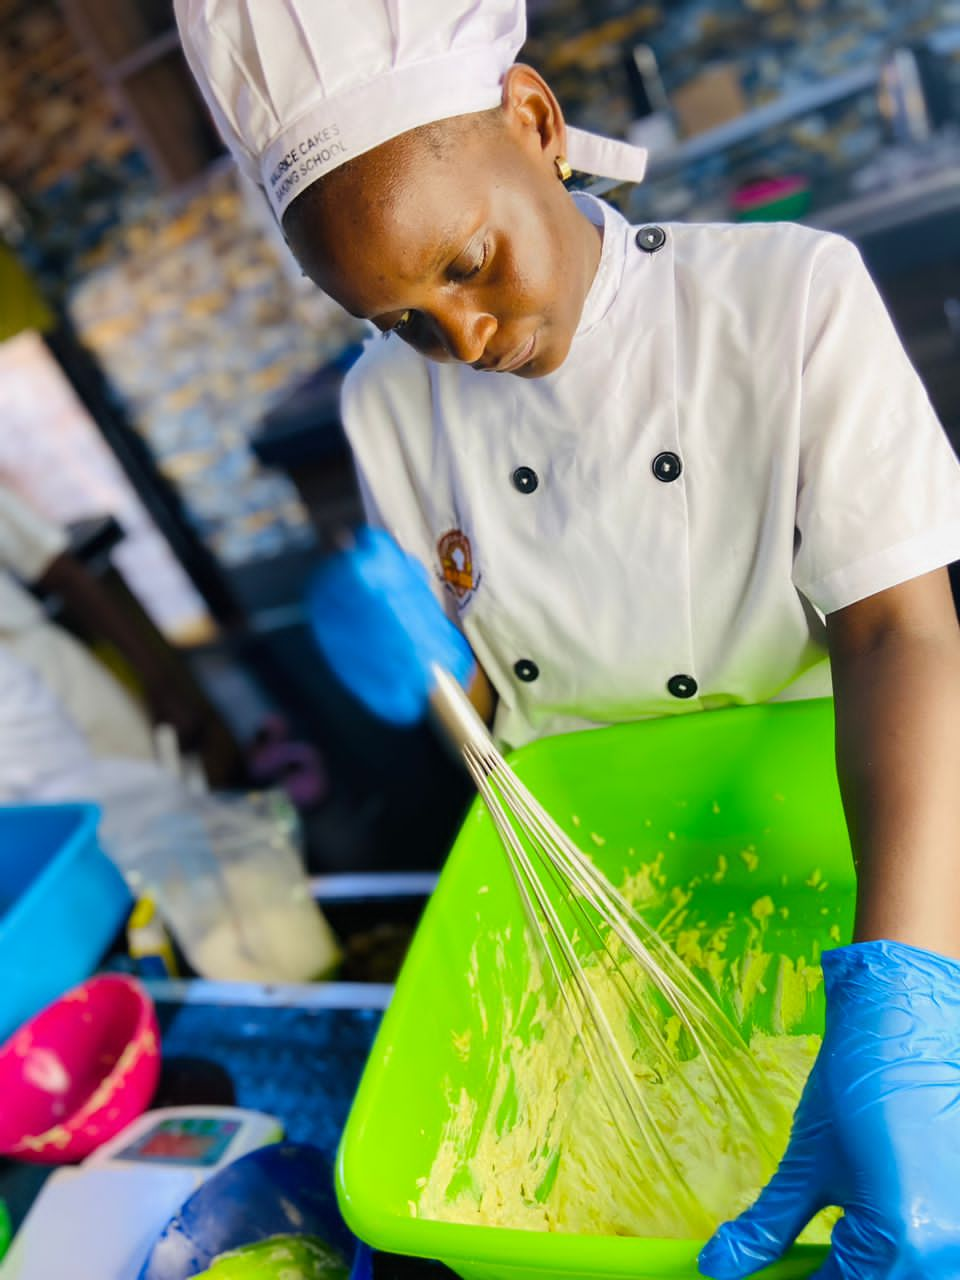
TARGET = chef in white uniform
(648,470)
(661,525)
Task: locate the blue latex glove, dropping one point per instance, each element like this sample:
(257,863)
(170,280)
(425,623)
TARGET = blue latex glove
(877,1131)
(380,627)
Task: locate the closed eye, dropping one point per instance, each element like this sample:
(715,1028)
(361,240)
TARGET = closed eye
(407,321)
(475,267)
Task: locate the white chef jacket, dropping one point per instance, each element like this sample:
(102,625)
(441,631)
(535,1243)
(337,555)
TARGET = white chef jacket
(735,446)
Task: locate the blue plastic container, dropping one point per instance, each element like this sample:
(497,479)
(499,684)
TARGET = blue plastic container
(61,903)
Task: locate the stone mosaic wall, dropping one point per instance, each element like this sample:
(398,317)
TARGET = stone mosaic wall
(201,329)
(64,148)
(183,297)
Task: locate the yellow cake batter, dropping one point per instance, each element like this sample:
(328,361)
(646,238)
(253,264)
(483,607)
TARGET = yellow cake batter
(545,1153)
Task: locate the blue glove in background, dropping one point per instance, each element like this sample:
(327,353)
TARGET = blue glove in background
(877,1131)
(380,627)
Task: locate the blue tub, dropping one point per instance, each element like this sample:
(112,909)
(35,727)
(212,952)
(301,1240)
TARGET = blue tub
(61,903)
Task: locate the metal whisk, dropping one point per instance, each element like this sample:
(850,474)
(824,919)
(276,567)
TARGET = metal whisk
(590,935)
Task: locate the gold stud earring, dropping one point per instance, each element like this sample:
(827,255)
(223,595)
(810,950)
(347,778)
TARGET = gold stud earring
(564,172)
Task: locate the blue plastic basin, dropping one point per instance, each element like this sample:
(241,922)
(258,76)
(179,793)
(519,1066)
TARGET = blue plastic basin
(61,903)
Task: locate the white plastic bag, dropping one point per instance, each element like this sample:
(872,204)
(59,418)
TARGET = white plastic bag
(224,872)
(227,879)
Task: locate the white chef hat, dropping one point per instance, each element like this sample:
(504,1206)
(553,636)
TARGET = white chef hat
(298,87)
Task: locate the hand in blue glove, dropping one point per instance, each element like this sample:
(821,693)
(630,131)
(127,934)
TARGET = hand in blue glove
(877,1131)
(380,627)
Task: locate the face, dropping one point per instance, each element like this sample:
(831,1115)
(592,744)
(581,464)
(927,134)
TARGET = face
(460,238)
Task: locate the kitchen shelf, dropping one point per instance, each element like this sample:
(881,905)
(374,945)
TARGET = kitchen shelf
(792,106)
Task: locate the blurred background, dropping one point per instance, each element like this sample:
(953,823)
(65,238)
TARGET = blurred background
(169,383)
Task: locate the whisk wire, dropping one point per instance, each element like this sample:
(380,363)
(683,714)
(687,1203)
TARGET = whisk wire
(588,1017)
(551,875)
(716,1039)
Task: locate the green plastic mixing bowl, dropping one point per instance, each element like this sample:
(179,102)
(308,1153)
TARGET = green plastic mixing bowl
(695,787)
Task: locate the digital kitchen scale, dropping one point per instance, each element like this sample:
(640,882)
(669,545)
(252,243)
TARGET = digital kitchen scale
(98,1221)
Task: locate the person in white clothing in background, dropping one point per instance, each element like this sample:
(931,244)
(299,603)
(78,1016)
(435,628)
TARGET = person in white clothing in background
(649,471)
(32,550)
(116,722)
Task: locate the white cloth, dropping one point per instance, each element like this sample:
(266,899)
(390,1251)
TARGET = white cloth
(28,546)
(111,722)
(38,739)
(44,754)
(298,87)
(814,474)
(59,462)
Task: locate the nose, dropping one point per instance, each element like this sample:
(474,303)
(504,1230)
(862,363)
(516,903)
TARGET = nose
(465,332)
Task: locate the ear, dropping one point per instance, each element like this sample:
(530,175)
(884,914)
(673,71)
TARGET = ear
(532,113)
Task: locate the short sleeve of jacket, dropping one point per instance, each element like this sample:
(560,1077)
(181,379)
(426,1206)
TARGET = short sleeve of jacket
(28,542)
(387,411)
(878,497)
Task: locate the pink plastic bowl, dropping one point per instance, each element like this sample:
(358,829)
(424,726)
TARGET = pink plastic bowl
(79,1072)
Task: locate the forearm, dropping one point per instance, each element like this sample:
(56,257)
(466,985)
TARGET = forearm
(898,749)
(85,596)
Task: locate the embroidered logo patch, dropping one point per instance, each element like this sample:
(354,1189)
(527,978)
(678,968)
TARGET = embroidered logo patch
(456,563)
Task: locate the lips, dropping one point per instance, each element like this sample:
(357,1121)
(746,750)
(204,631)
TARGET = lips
(513,360)
(519,357)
